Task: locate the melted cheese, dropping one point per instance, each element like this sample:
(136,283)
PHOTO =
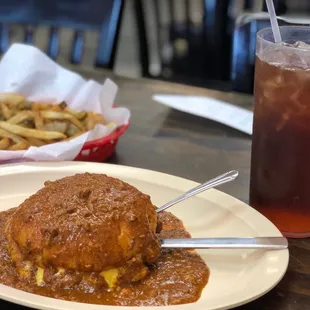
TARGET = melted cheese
(110,276)
(40,276)
(24,271)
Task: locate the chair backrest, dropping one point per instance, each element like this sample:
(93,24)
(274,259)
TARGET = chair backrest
(247,18)
(183,40)
(244,45)
(190,41)
(102,16)
(239,7)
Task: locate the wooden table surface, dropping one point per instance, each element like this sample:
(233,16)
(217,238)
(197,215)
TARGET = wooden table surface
(177,143)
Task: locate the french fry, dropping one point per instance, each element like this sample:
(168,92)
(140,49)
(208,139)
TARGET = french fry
(37,106)
(93,119)
(38,120)
(4,143)
(11,98)
(74,136)
(19,146)
(63,116)
(111,125)
(79,115)
(53,141)
(6,112)
(98,118)
(90,121)
(56,108)
(62,105)
(20,117)
(15,138)
(23,105)
(32,133)
(72,130)
(24,123)
(36,142)
(60,126)
(27,123)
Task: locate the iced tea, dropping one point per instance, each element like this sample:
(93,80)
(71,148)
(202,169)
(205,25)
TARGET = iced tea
(280,166)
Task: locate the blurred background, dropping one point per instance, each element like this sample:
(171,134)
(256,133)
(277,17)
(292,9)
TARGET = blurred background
(208,43)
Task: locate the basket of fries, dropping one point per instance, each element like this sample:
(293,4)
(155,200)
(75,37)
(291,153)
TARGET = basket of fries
(50,113)
(24,124)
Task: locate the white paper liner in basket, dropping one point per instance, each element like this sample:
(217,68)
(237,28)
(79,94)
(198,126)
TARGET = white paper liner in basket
(27,71)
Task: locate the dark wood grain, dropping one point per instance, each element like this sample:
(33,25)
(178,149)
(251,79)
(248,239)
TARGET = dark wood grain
(165,140)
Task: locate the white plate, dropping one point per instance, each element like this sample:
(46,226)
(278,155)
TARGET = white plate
(237,276)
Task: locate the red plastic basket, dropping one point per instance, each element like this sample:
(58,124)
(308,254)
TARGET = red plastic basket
(103,148)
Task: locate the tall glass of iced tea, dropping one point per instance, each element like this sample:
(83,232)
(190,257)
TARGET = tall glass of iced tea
(280,165)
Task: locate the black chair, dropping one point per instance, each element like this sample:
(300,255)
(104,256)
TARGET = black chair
(190,45)
(102,16)
(243,34)
(191,51)
(243,52)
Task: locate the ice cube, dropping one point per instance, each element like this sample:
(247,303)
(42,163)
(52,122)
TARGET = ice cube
(275,57)
(298,44)
(300,61)
(294,58)
(285,117)
(302,45)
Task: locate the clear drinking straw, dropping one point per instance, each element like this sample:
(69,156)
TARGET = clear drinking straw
(273,21)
